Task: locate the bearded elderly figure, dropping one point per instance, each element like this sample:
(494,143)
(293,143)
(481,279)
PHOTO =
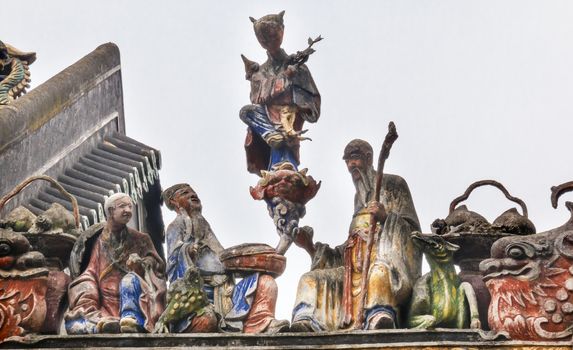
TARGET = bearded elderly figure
(327,296)
(119,283)
(248,306)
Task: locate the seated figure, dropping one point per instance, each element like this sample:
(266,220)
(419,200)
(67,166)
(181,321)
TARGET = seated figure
(122,287)
(248,306)
(328,296)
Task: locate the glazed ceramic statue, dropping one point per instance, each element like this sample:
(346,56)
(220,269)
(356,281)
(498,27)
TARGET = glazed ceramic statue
(286,192)
(24,279)
(328,296)
(34,251)
(39,280)
(188,307)
(118,285)
(530,279)
(248,306)
(283,97)
(474,236)
(440,298)
(460,220)
(14,72)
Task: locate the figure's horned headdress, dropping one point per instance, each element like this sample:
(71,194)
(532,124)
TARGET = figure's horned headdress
(268,23)
(269,20)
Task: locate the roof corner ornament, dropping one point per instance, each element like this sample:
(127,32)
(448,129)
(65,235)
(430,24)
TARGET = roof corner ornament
(14,72)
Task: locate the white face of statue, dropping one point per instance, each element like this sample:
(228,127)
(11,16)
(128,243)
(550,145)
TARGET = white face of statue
(122,210)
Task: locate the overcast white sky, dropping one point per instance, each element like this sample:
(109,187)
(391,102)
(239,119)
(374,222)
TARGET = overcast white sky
(477,89)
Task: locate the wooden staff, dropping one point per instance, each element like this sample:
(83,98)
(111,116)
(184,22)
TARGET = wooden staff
(391,136)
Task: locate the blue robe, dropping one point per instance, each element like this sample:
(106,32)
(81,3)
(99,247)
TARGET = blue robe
(182,233)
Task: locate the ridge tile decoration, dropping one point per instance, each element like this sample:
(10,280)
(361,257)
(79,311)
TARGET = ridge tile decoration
(14,72)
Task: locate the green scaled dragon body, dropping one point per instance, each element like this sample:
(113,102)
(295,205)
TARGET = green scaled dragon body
(440,298)
(185,298)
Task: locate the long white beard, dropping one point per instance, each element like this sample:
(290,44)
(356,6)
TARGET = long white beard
(195,226)
(364,188)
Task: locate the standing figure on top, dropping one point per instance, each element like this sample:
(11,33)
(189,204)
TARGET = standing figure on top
(283,97)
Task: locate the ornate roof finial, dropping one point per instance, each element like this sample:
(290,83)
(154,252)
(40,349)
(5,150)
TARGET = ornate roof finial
(14,72)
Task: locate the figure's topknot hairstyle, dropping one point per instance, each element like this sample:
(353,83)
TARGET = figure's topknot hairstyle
(168,194)
(357,148)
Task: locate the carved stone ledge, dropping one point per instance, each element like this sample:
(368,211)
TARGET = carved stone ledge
(384,339)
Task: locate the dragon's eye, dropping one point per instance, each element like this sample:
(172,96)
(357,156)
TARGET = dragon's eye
(4,249)
(516,253)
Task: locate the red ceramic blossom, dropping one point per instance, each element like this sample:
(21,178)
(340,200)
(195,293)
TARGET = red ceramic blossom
(294,186)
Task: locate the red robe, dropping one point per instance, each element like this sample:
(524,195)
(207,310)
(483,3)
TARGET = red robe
(94,295)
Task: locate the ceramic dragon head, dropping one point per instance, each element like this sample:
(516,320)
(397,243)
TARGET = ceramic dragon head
(436,249)
(530,280)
